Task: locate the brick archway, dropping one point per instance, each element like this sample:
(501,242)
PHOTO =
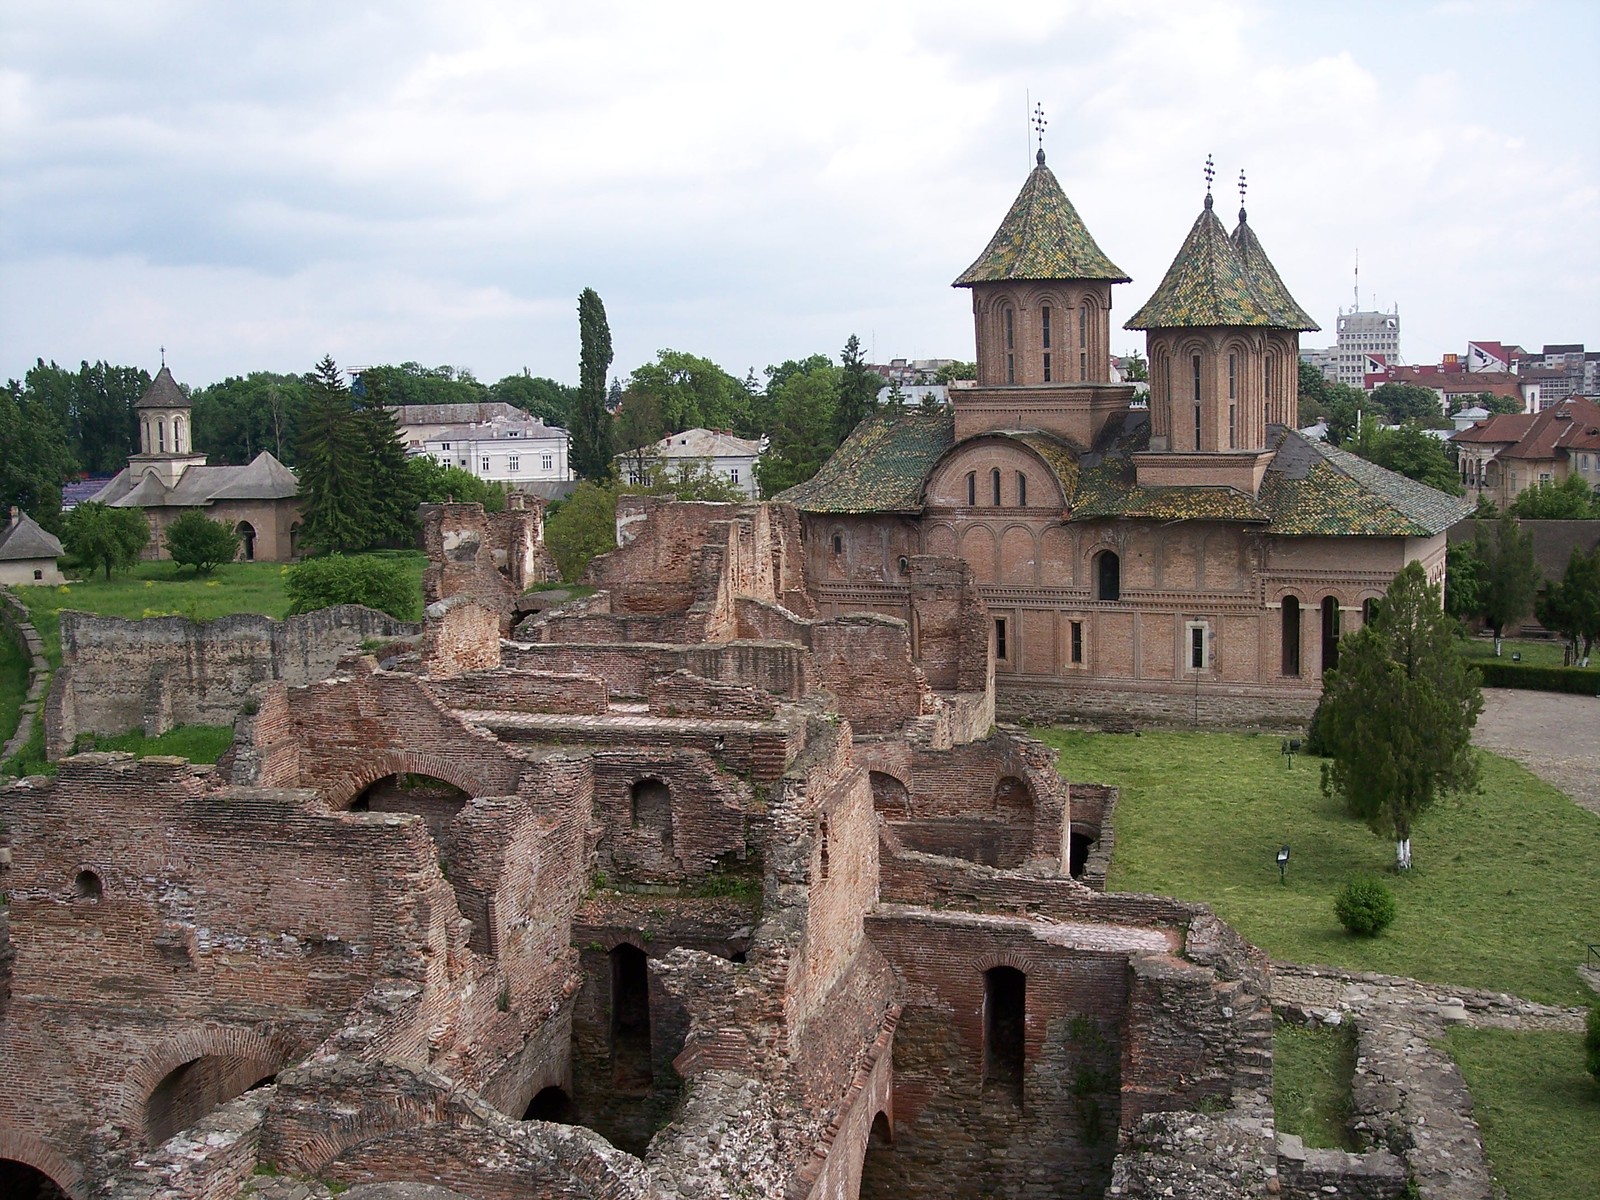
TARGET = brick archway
(268,1055)
(341,791)
(31,1152)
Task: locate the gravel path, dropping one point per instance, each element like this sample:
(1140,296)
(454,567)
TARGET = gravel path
(1557,737)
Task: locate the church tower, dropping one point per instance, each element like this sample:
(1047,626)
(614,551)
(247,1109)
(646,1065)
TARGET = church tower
(1223,337)
(166,447)
(1041,311)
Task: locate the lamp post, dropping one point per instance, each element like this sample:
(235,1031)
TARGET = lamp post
(1290,747)
(1283,861)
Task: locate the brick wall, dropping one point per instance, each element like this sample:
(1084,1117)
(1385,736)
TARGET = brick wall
(510,690)
(460,634)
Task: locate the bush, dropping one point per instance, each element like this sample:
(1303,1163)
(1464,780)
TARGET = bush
(195,540)
(585,525)
(1365,907)
(362,579)
(1539,679)
(1591,1044)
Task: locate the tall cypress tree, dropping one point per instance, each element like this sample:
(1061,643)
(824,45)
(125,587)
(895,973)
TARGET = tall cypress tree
(591,424)
(858,390)
(336,484)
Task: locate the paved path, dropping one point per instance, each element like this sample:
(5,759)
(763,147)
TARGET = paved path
(1555,736)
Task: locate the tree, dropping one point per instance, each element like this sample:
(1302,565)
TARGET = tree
(240,417)
(336,488)
(591,423)
(1136,370)
(1412,452)
(1402,402)
(546,399)
(953,371)
(34,456)
(432,482)
(1570,500)
(858,390)
(1495,404)
(1338,404)
(1463,580)
(1510,576)
(639,427)
(381,583)
(1397,714)
(413,383)
(98,535)
(582,526)
(195,540)
(1572,606)
(691,393)
(392,519)
(801,416)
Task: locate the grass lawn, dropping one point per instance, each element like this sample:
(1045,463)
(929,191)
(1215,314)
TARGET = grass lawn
(197,743)
(1536,652)
(1502,894)
(1538,1109)
(1311,1073)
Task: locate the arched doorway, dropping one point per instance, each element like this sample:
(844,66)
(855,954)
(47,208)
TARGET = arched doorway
(1291,635)
(889,796)
(247,540)
(1330,634)
(438,803)
(190,1092)
(551,1104)
(877,1168)
(1107,576)
(19,1181)
(631,1069)
(1005,1003)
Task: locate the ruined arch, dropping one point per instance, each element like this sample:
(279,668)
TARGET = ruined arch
(877,1178)
(28,1151)
(249,1053)
(890,796)
(340,792)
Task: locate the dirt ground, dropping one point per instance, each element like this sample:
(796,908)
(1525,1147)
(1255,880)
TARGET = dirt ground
(1556,737)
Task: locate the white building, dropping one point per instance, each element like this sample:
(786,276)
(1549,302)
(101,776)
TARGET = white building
(1364,334)
(733,458)
(509,447)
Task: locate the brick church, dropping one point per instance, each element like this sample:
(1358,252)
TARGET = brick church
(1193,559)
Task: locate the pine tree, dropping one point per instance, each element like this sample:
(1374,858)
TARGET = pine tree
(1397,714)
(394,496)
(858,390)
(336,488)
(591,423)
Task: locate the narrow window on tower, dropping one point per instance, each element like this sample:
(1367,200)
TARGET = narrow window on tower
(1194,366)
(1266,388)
(1044,336)
(1233,401)
(1077,643)
(994,481)
(1083,341)
(1011,346)
(972,489)
(1022,490)
(1000,639)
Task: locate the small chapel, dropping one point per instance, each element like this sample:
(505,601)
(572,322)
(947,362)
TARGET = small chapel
(1192,558)
(167,478)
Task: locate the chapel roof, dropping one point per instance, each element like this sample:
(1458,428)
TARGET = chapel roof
(1209,284)
(163,392)
(263,478)
(1310,489)
(1042,237)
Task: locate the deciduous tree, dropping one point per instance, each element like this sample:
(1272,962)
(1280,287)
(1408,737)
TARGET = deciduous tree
(691,392)
(591,423)
(1397,714)
(1570,500)
(800,412)
(1412,452)
(377,582)
(195,540)
(98,535)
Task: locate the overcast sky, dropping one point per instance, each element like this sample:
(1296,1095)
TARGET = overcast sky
(254,185)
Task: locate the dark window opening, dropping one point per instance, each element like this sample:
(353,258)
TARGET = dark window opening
(972,489)
(1197,648)
(247,541)
(1005,992)
(1194,367)
(1108,576)
(38,574)
(905,564)
(838,543)
(1011,795)
(1000,637)
(1078,847)
(1330,634)
(551,1104)
(1083,342)
(1291,635)
(890,797)
(630,1020)
(87,886)
(994,485)
(822,848)
(1022,490)
(1369,610)
(18,1181)
(877,1169)
(1077,642)
(651,805)
(1011,346)
(1044,336)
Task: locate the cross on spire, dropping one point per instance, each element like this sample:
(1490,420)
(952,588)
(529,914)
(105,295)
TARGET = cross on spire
(1039,123)
(163,356)
(1210,173)
(1242,188)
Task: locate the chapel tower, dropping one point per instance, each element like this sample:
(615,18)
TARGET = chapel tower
(1041,310)
(166,446)
(1223,338)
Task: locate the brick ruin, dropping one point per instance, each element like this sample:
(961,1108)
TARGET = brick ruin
(678,890)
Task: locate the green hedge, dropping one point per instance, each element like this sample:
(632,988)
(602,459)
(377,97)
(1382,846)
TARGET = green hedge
(1540,679)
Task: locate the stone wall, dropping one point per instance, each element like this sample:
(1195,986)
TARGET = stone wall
(154,674)
(19,628)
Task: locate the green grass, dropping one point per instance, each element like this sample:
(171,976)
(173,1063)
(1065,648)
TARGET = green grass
(1502,894)
(197,743)
(1538,1110)
(13,685)
(1311,1073)
(1536,652)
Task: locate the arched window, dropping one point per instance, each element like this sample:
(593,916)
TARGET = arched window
(1233,401)
(822,848)
(1268,366)
(87,886)
(1107,576)
(161,435)
(1044,338)
(972,489)
(1008,326)
(1330,633)
(1083,341)
(1005,1009)
(1022,490)
(177,435)
(1290,638)
(994,483)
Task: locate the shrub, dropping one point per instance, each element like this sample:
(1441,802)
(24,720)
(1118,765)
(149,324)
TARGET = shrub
(1365,907)
(1591,1043)
(1539,679)
(585,525)
(362,579)
(195,540)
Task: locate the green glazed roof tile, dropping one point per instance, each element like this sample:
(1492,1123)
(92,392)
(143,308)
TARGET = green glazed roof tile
(880,467)
(1268,283)
(1207,284)
(1042,237)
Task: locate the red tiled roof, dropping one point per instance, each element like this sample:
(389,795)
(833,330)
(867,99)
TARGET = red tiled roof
(1554,428)
(1506,428)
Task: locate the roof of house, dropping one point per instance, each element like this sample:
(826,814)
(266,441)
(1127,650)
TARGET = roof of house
(1267,280)
(1042,237)
(1208,284)
(263,478)
(25,539)
(455,414)
(702,443)
(1573,424)
(1310,488)
(521,427)
(1502,427)
(163,392)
